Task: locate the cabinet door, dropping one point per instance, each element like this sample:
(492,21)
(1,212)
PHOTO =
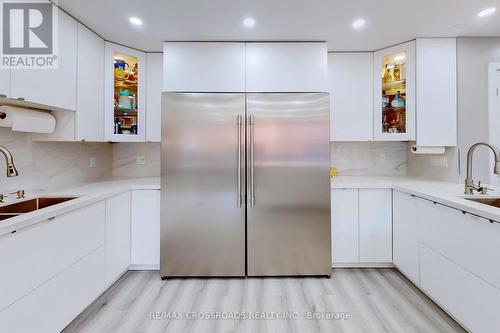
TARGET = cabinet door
(436,92)
(405,235)
(117,236)
(55,87)
(471,300)
(344,207)
(394,93)
(5,82)
(286,67)
(154,79)
(375,225)
(204,67)
(124,94)
(350,82)
(145,247)
(90,94)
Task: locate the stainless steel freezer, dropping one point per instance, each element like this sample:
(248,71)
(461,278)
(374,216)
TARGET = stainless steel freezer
(245,184)
(202,220)
(288,216)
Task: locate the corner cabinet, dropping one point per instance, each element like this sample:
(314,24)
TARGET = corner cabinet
(394,93)
(124,94)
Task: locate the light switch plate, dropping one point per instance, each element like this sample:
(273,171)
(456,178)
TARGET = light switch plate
(140,160)
(92,162)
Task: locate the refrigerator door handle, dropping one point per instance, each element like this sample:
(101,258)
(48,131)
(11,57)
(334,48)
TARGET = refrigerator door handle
(252,152)
(240,122)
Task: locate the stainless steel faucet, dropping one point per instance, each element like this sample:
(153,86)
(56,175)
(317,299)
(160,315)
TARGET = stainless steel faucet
(11,168)
(470,187)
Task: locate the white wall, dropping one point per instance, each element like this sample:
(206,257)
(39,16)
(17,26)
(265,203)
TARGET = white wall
(474,54)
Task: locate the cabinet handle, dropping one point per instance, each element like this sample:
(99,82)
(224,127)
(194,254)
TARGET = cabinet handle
(252,169)
(238,203)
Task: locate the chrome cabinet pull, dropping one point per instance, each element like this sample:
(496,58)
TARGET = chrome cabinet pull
(238,203)
(252,169)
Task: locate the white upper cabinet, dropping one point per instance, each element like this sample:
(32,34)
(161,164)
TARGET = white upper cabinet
(204,67)
(286,67)
(350,83)
(90,86)
(5,82)
(154,77)
(436,92)
(54,87)
(394,93)
(124,94)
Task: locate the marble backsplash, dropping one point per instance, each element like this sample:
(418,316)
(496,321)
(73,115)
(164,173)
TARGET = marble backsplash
(52,165)
(125,159)
(369,158)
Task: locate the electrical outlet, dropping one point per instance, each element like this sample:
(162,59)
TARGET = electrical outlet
(439,162)
(92,162)
(140,160)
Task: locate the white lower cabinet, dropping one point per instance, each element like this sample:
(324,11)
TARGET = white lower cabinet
(345,231)
(361,226)
(145,243)
(117,236)
(375,225)
(405,235)
(470,241)
(469,299)
(52,306)
(451,255)
(33,255)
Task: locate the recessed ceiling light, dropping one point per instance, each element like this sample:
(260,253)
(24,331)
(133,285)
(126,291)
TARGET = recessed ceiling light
(487,12)
(358,24)
(135,20)
(249,22)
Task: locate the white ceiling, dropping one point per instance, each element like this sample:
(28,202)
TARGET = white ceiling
(388,21)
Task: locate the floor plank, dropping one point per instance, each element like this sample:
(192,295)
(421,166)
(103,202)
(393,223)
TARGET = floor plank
(374,300)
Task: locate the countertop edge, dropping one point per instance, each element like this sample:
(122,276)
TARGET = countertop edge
(106,190)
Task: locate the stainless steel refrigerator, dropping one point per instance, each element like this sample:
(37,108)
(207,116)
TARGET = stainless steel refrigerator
(245,184)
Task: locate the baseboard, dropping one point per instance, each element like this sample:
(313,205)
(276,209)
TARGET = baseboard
(144,267)
(363,265)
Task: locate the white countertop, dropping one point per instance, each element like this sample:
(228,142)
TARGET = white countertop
(446,193)
(88,194)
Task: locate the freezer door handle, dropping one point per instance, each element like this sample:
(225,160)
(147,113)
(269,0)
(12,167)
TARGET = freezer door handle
(240,124)
(252,169)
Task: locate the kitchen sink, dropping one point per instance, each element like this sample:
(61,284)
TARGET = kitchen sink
(494,202)
(29,205)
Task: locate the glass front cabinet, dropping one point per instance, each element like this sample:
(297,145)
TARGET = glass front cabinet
(394,95)
(125,100)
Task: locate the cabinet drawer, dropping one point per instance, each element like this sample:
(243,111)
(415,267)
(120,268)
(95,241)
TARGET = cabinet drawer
(36,254)
(53,305)
(470,241)
(472,301)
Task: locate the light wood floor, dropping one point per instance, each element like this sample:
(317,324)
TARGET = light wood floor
(376,300)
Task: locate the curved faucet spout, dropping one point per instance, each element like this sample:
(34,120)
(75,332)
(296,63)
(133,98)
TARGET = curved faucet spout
(469,183)
(9,160)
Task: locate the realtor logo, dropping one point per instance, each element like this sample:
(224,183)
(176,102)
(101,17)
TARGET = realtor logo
(28,34)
